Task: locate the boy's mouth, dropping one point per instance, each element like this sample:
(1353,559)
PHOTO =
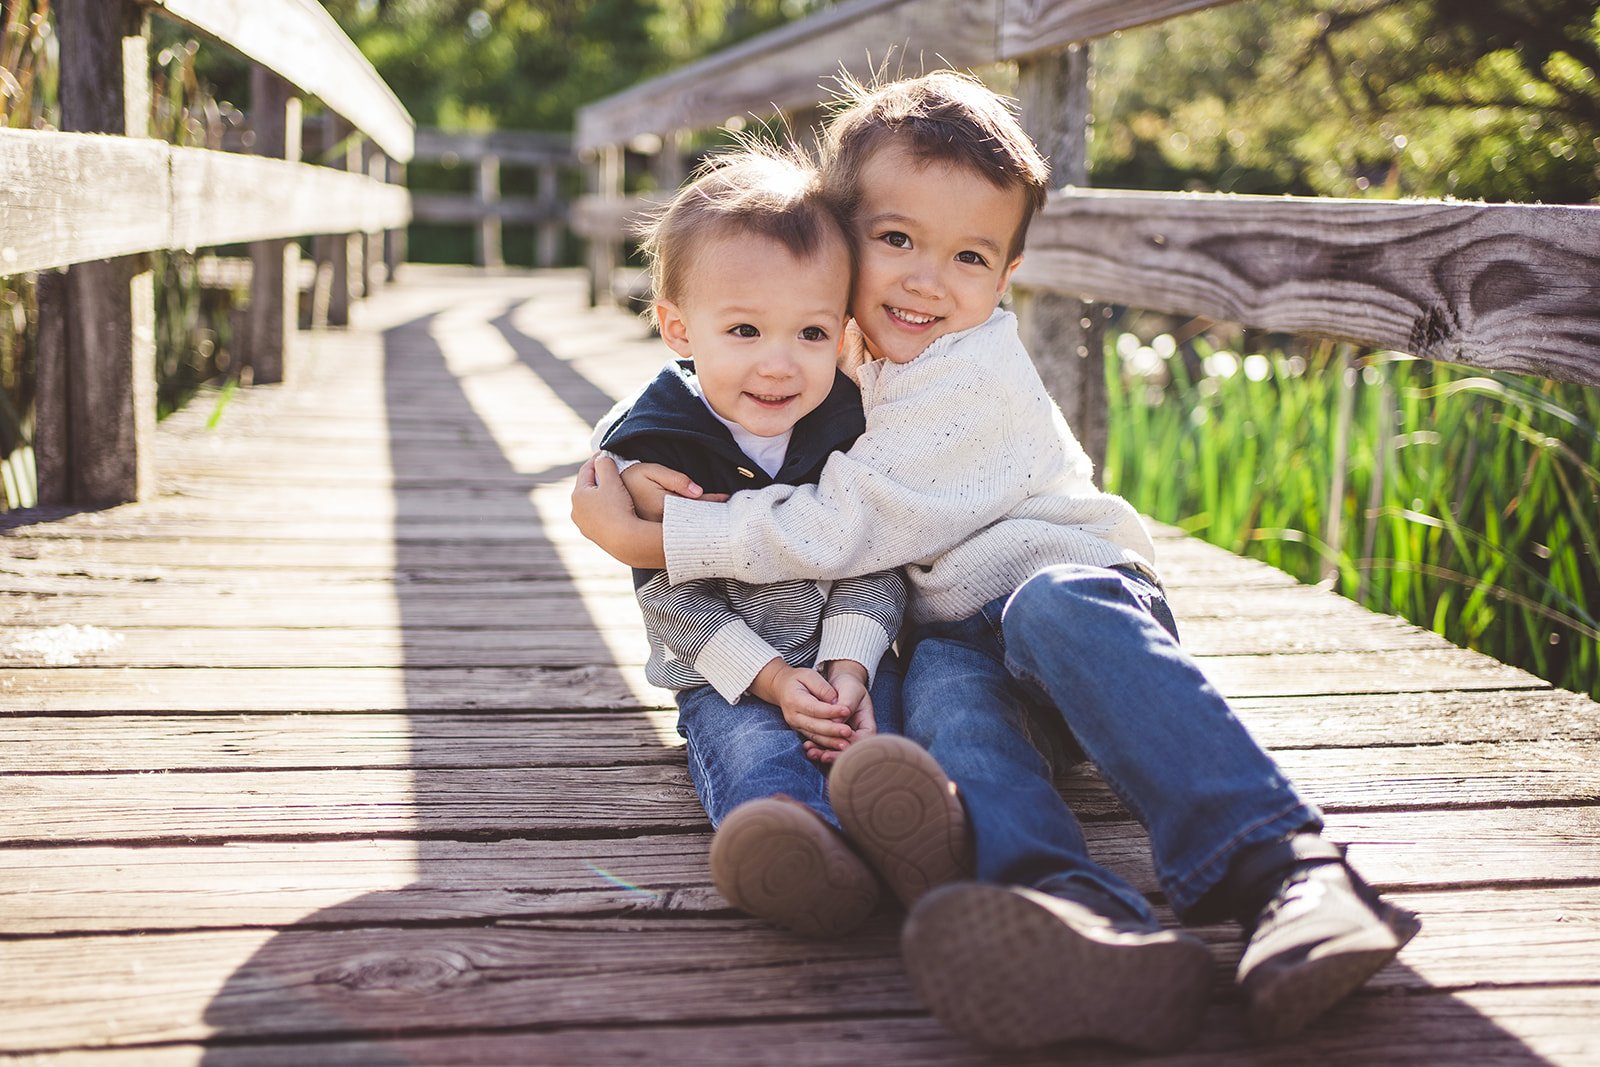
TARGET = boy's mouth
(770,400)
(910,318)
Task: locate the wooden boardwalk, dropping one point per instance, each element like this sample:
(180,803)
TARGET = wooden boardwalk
(338,751)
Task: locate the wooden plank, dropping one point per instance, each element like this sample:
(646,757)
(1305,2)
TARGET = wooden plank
(457,209)
(516,147)
(223,198)
(115,990)
(74,197)
(522,801)
(70,198)
(1545,1025)
(786,68)
(158,742)
(109,889)
(1028,27)
(301,42)
(273,315)
(1503,286)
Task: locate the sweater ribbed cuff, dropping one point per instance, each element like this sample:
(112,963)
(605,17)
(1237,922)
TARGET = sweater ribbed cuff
(732,658)
(697,540)
(851,636)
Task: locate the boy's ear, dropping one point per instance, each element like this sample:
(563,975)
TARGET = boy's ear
(674,331)
(1005,277)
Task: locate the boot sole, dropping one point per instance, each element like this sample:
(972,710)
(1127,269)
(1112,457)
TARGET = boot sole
(1284,1002)
(1008,968)
(777,860)
(898,806)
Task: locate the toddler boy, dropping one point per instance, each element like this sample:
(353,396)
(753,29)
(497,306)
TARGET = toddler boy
(751,271)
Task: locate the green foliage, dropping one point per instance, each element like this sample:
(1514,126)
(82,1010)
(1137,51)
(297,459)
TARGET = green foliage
(1468,504)
(530,64)
(1497,99)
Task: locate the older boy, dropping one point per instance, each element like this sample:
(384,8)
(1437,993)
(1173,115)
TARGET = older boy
(751,273)
(1038,627)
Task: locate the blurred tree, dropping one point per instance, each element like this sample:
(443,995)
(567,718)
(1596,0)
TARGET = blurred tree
(1493,99)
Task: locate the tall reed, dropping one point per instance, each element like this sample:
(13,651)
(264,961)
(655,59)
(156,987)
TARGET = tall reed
(1469,504)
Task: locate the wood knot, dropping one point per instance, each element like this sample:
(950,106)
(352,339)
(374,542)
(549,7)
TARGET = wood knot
(394,972)
(1433,328)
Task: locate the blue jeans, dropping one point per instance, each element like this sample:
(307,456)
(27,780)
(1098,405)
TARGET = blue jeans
(1084,662)
(739,752)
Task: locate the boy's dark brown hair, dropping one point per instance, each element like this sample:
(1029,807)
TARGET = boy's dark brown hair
(762,190)
(941,117)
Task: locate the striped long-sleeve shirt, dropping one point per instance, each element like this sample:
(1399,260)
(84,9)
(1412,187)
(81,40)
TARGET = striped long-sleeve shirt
(722,632)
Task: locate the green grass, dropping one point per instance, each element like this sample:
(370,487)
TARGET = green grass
(1470,502)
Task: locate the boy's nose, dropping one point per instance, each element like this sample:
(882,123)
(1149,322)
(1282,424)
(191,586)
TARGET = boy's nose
(925,282)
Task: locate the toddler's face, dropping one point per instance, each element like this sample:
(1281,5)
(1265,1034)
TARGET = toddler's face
(763,327)
(931,241)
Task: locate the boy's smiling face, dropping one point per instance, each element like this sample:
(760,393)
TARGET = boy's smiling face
(763,326)
(932,240)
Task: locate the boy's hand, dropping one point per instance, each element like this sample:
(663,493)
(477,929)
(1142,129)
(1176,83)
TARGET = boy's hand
(649,484)
(808,704)
(602,512)
(849,680)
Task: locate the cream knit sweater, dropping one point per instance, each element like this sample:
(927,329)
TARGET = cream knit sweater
(967,475)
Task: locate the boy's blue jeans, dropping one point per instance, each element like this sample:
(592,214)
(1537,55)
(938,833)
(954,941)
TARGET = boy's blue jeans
(739,752)
(1094,650)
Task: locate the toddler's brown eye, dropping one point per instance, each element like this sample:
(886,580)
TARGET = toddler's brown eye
(813,333)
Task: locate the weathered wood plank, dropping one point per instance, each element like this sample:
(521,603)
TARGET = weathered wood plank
(225,806)
(785,68)
(185,986)
(158,742)
(1028,27)
(106,889)
(528,684)
(1504,286)
(70,198)
(516,147)
(300,41)
(1547,1025)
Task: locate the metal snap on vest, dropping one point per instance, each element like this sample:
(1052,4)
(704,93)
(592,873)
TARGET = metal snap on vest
(747,473)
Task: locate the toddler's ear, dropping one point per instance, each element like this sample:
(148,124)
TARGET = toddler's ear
(674,331)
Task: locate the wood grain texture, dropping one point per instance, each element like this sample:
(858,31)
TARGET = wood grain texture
(110,889)
(1502,286)
(1548,1025)
(115,990)
(70,198)
(790,67)
(301,42)
(1028,27)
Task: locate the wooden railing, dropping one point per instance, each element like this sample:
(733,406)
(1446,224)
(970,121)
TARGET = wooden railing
(1507,287)
(96,204)
(486,208)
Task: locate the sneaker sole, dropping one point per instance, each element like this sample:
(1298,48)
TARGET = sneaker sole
(1004,968)
(1282,1004)
(898,806)
(777,860)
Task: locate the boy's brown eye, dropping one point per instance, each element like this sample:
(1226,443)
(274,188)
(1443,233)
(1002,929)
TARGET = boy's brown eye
(813,333)
(896,239)
(744,329)
(973,258)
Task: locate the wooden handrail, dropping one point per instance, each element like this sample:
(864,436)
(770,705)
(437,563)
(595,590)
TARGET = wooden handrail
(95,198)
(787,68)
(70,198)
(1512,287)
(300,42)
(485,208)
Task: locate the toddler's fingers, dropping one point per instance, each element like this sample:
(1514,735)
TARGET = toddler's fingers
(586,475)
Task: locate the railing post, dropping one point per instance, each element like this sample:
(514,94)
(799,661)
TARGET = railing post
(372,241)
(274,265)
(1065,336)
(548,252)
(340,134)
(605,182)
(394,241)
(96,413)
(490,252)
